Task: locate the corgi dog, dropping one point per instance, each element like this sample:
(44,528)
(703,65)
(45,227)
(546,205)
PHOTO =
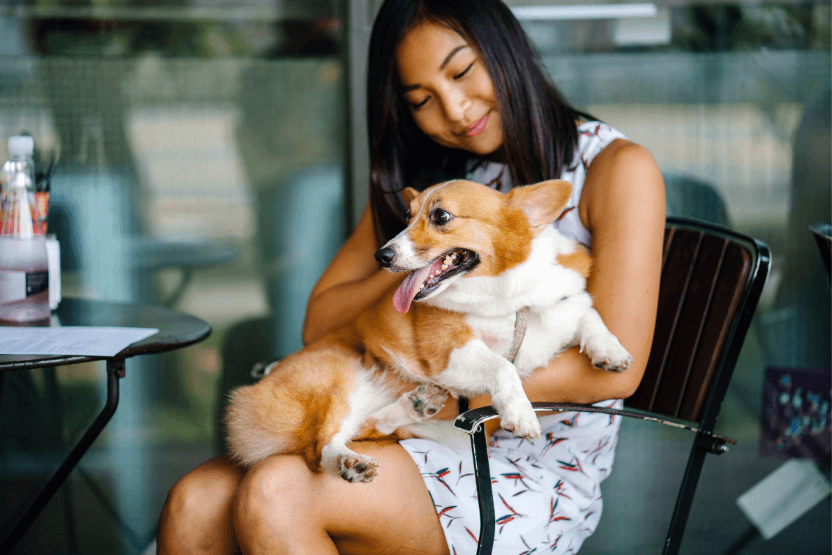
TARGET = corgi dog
(476,262)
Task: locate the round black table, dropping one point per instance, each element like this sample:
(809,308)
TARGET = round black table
(176,330)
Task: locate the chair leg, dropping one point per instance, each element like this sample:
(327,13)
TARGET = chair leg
(684,501)
(485,496)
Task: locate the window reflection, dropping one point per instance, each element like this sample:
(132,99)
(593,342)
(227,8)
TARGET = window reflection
(199,144)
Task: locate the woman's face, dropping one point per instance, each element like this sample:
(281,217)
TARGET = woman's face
(448,89)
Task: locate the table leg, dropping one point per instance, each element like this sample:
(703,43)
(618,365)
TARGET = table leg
(115,370)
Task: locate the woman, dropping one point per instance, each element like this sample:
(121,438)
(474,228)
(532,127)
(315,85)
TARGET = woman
(454,89)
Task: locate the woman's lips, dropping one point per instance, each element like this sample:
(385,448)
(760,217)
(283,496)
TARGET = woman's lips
(477,127)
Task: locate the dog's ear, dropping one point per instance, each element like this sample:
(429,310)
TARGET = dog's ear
(409,194)
(542,202)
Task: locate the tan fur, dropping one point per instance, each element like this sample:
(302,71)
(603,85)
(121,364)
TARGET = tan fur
(305,397)
(414,336)
(302,401)
(541,202)
(580,261)
(485,220)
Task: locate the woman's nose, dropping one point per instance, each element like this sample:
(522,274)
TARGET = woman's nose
(456,105)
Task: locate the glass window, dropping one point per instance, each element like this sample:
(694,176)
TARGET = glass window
(733,100)
(200,167)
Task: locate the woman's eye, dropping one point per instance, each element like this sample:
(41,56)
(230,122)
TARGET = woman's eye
(440,217)
(464,71)
(418,105)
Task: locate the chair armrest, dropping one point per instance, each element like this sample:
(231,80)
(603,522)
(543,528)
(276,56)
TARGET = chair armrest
(470,421)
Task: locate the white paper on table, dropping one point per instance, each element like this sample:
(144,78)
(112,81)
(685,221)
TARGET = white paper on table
(70,340)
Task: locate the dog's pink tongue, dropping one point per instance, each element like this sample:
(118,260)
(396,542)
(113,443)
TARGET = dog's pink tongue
(409,288)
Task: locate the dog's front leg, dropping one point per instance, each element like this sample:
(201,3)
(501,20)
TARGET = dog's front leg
(474,368)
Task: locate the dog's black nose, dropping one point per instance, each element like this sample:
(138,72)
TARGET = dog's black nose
(385,256)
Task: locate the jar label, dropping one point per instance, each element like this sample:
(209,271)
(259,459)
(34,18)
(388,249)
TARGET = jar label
(12,286)
(17,285)
(37,282)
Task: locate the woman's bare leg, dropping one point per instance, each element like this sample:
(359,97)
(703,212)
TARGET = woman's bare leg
(196,518)
(283,508)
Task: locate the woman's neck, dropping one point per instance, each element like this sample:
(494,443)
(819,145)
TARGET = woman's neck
(498,155)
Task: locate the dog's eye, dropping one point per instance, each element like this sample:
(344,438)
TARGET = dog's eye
(440,217)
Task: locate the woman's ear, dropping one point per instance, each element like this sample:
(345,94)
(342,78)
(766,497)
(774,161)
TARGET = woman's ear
(409,194)
(543,202)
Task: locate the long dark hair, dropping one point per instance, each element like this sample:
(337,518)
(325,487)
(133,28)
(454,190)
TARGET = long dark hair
(539,126)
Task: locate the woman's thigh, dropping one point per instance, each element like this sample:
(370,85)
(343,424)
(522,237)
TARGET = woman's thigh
(392,514)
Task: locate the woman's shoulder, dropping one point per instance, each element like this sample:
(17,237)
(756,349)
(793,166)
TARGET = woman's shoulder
(621,151)
(603,145)
(624,176)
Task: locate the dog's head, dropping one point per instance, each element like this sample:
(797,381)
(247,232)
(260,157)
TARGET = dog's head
(461,228)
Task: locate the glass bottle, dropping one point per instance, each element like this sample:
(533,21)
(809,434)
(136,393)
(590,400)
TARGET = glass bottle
(24,268)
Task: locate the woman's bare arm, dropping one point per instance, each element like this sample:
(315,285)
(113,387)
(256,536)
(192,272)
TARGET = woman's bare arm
(623,205)
(351,282)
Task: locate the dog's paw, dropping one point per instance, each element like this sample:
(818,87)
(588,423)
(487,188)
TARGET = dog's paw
(601,346)
(613,360)
(355,467)
(428,400)
(520,421)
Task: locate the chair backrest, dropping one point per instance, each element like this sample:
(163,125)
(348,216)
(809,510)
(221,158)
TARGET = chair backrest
(710,285)
(823,235)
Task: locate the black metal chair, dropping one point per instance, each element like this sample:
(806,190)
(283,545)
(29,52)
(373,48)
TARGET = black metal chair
(711,283)
(823,236)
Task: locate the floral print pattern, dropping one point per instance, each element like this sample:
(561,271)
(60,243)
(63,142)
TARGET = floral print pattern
(547,495)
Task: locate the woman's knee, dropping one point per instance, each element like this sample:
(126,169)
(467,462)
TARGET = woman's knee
(272,486)
(205,489)
(198,507)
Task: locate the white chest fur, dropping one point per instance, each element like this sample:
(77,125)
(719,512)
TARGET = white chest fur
(554,294)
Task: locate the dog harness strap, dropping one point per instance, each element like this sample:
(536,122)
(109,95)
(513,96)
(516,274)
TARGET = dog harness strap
(520,324)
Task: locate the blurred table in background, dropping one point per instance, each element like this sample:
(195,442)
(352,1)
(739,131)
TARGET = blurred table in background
(176,331)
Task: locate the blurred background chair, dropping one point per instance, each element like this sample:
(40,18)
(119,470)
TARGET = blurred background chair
(797,332)
(297,221)
(690,197)
(711,283)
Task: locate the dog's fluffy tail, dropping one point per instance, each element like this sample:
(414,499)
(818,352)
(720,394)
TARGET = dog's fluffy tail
(248,438)
(297,408)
